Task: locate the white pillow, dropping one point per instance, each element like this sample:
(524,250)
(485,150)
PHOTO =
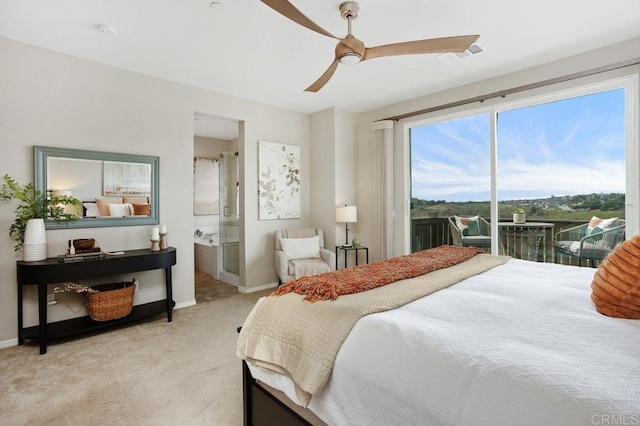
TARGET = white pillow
(301,248)
(120,210)
(92,209)
(602,223)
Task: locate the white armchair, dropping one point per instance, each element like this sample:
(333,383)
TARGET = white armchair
(306,256)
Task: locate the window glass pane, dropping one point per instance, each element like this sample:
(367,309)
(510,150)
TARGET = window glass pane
(562,162)
(450,175)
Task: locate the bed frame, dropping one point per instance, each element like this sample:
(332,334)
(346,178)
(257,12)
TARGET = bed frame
(263,405)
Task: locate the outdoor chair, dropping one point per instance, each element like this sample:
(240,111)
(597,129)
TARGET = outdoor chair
(470,231)
(579,243)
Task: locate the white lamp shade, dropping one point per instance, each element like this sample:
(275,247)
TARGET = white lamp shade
(347,214)
(64,192)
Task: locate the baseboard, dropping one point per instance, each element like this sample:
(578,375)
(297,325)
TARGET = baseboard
(8,343)
(259,288)
(229,278)
(185,304)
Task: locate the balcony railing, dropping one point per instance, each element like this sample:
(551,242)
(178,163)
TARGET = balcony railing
(429,232)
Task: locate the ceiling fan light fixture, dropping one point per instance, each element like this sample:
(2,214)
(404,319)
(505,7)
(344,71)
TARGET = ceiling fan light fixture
(351,51)
(350,58)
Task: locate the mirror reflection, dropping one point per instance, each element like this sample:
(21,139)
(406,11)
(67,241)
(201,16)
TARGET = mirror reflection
(114,189)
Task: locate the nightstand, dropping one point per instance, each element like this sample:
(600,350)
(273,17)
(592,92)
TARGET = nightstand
(346,250)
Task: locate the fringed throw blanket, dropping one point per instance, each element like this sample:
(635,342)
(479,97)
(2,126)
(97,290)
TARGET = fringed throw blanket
(288,335)
(366,277)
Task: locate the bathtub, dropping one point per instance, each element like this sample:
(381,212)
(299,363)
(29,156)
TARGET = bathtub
(207,250)
(208,236)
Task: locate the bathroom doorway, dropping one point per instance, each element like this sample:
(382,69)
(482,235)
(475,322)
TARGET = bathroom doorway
(216,208)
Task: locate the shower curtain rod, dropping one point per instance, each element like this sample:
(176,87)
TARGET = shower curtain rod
(517,89)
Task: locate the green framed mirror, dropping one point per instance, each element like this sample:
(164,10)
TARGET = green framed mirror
(114,189)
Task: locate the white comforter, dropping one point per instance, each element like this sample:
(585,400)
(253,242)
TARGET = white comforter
(519,344)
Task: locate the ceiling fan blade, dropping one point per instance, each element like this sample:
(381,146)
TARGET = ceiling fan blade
(324,78)
(432,45)
(288,10)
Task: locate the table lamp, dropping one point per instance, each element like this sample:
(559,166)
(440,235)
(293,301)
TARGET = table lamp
(347,214)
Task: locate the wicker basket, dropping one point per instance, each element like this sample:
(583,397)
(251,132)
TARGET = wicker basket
(113,301)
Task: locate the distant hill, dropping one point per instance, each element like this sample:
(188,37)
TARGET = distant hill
(574,207)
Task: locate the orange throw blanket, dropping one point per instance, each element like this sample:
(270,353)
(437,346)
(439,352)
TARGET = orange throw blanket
(616,283)
(331,285)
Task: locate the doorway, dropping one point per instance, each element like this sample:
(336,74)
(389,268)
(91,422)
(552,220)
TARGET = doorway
(216,224)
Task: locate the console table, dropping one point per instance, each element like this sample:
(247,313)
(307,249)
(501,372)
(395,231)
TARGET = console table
(52,271)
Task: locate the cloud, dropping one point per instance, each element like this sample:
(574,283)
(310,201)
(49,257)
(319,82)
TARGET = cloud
(433,180)
(569,147)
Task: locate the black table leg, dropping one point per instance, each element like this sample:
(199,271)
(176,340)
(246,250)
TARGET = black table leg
(20,338)
(169,285)
(42,317)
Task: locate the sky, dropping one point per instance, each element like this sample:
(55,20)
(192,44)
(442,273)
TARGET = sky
(568,147)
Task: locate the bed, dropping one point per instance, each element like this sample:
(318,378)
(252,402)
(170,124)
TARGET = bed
(520,343)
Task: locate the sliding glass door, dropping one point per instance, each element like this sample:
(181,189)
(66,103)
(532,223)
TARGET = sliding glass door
(559,160)
(450,176)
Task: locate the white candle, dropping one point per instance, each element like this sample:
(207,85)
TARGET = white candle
(155,233)
(163,229)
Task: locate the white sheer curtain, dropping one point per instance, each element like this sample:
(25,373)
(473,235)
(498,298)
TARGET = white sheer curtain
(383,141)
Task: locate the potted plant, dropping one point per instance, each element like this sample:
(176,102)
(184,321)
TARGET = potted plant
(519,216)
(34,207)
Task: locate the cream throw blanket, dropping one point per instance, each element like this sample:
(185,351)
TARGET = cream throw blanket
(306,267)
(301,340)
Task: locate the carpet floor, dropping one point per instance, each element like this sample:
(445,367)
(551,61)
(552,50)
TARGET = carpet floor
(208,288)
(148,373)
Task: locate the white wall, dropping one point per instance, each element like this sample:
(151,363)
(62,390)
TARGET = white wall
(367,161)
(347,176)
(257,259)
(204,147)
(323,175)
(334,171)
(82,177)
(57,100)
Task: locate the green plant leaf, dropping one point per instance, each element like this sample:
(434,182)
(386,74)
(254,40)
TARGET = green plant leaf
(34,204)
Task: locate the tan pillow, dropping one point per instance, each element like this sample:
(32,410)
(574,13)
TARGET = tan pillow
(136,200)
(615,289)
(103,204)
(141,209)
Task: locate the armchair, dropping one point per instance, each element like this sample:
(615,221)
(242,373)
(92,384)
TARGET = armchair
(307,256)
(477,235)
(576,242)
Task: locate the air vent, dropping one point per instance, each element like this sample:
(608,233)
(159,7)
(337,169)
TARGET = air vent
(451,57)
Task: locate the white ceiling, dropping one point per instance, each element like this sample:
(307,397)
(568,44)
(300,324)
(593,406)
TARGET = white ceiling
(246,49)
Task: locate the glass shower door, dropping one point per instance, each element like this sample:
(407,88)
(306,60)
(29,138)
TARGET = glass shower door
(229,218)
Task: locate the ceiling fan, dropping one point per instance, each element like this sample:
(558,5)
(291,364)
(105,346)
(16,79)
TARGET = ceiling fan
(350,50)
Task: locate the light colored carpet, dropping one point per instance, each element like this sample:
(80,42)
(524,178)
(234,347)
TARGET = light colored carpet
(149,373)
